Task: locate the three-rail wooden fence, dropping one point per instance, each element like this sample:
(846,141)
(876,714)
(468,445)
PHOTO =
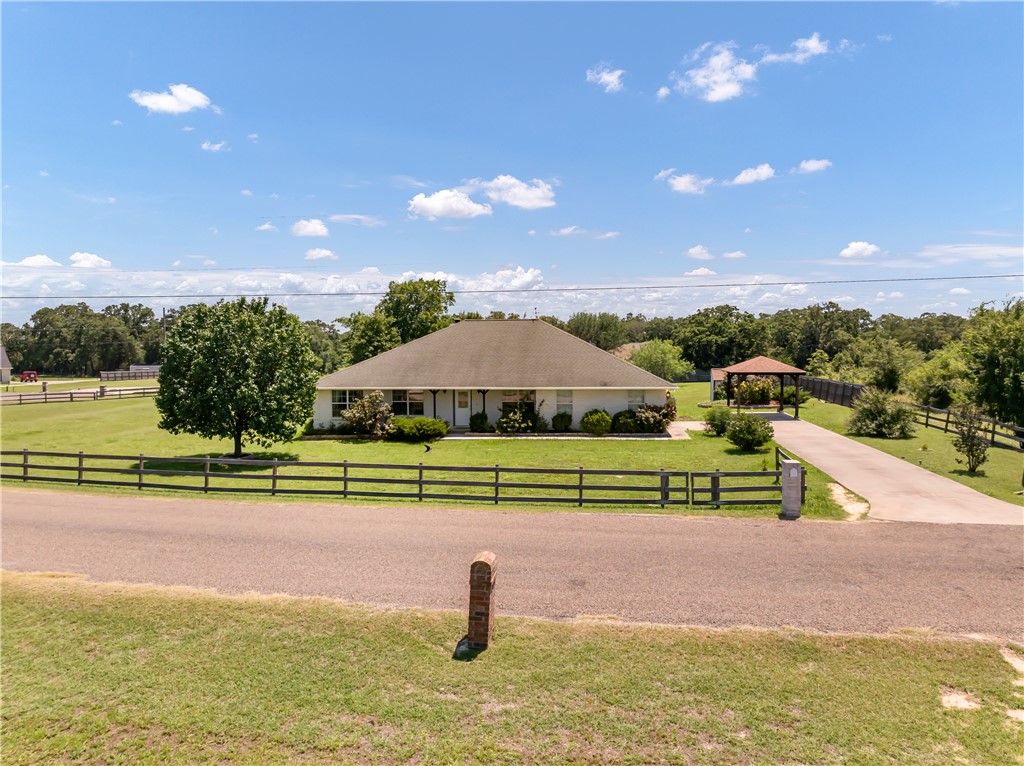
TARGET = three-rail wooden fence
(46,397)
(490,484)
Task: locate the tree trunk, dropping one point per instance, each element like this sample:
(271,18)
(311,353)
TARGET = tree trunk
(239,428)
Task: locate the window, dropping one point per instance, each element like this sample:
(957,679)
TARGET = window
(342,400)
(407,402)
(563,405)
(634,400)
(517,399)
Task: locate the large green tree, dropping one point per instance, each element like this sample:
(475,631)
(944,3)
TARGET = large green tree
(369,335)
(327,343)
(720,336)
(994,351)
(663,358)
(417,307)
(604,330)
(239,370)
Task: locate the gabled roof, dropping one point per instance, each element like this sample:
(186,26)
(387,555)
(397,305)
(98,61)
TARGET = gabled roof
(762,365)
(494,354)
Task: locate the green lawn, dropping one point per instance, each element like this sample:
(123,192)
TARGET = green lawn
(688,396)
(129,427)
(53,385)
(930,448)
(115,674)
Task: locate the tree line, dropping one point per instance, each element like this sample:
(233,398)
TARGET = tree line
(937,359)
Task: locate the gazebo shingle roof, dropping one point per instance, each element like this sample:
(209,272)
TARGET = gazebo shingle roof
(763,365)
(494,354)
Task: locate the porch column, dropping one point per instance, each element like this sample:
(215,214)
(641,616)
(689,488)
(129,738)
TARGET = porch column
(483,394)
(433,392)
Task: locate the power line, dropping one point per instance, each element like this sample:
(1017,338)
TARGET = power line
(507,290)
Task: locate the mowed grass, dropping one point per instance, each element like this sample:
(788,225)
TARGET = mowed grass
(932,449)
(115,674)
(54,385)
(129,427)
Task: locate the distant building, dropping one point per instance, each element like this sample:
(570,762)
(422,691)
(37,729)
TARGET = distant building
(5,366)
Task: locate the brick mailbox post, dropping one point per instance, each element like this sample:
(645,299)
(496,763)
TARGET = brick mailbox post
(482,576)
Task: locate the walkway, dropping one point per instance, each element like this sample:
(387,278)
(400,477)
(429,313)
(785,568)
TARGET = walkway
(896,489)
(827,576)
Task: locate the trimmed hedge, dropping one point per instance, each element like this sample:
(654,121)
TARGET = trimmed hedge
(596,422)
(417,429)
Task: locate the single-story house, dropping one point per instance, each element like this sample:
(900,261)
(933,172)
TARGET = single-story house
(491,366)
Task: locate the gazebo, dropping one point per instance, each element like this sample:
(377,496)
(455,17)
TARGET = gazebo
(762,365)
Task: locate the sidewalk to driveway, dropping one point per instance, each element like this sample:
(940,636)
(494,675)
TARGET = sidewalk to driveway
(896,490)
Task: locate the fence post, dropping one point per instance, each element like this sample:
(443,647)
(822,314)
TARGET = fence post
(142,467)
(581,487)
(946,429)
(497,481)
(344,475)
(927,412)
(273,480)
(993,433)
(206,474)
(80,468)
(716,483)
(24,465)
(482,576)
(792,475)
(664,487)
(421,483)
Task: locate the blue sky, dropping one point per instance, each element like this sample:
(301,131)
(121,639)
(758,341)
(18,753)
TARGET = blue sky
(759,154)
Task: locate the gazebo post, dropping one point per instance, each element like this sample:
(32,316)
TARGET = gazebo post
(796,397)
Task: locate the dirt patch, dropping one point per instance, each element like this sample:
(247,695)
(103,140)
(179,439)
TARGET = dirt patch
(1013,658)
(958,699)
(849,502)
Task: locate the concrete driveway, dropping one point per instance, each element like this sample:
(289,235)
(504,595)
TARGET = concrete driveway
(895,489)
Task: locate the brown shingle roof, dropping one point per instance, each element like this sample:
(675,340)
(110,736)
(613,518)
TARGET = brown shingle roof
(762,365)
(494,354)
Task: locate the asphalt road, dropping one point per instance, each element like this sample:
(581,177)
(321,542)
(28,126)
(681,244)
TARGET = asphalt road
(872,577)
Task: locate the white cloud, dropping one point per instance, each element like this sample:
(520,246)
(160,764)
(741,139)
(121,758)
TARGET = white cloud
(410,182)
(885,38)
(734,254)
(36,261)
(813,166)
(214,230)
(44,173)
(319,254)
(859,250)
(689,183)
(806,48)
(89,261)
(187,129)
(576,231)
(959,291)
(116,122)
(663,93)
(957,253)
(246,193)
(447,203)
(268,226)
(701,272)
(209,146)
(96,200)
(762,172)
(355,219)
(795,289)
(700,252)
(881,297)
(720,77)
(311,227)
(254,137)
(606,77)
(661,175)
(181,98)
(510,190)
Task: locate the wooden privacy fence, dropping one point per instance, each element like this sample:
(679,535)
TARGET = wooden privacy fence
(491,484)
(45,397)
(838,392)
(129,375)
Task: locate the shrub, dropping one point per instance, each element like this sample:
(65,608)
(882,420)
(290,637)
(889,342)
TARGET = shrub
(480,423)
(748,432)
(756,391)
(624,422)
(596,422)
(970,438)
(670,407)
(789,394)
(341,428)
(370,416)
(561,422)
(879,413)
(717,420)
(515,421)
(417,429)
(652,419)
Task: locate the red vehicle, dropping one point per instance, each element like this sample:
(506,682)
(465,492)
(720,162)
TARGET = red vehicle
(29,376)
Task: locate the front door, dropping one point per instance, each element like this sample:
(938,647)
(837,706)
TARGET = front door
(462,412)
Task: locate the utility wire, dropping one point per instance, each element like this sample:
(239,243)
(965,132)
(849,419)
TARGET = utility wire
(533,290)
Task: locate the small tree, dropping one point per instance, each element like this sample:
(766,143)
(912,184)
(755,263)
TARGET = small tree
(879,413)
(237,370)
(370,416)
(662,358)
(748,432)
(970,438)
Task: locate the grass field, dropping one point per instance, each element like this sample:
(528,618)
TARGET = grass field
(53,385)
(930,448)
(130,427)
(100,673)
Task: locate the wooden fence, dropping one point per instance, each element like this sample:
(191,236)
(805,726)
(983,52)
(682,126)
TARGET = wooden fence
(46,397)
(491,484)
(129,375)
(838,392)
